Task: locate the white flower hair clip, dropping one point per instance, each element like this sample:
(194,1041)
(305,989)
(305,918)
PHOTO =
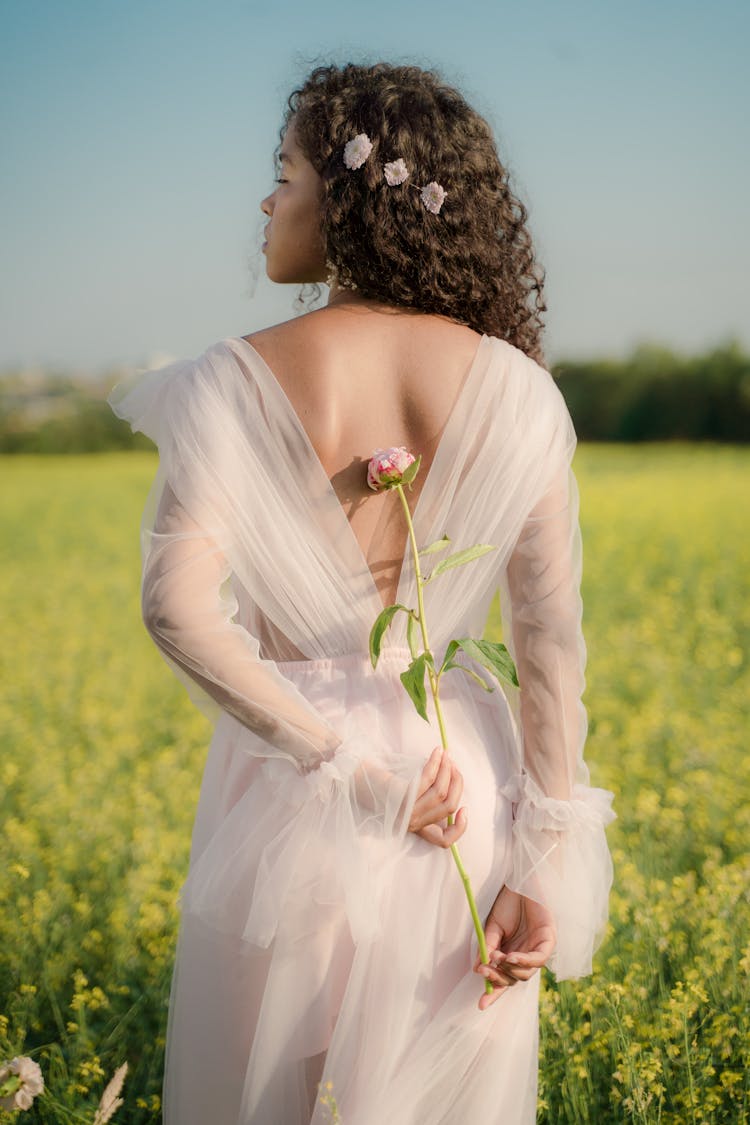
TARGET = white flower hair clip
(433,196)
(356,152)
(396,172)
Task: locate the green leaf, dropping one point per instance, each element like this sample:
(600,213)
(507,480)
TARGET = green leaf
(382,622)
(492,656)
(450,652)
(411,471)
(413,681)
(461,557)
(438,545)
(470,672)
(411,635)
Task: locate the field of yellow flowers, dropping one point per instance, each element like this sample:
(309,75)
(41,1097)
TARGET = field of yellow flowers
(103,753)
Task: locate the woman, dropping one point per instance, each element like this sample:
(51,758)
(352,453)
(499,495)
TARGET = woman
(326,965)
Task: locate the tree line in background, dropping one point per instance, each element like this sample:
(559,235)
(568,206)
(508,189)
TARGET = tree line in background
(653,395)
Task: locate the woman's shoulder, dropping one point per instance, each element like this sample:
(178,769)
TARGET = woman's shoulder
(525,369)
(328,338)
(328,341)
(524,365)
(421,356)
(527,393)
(286,342)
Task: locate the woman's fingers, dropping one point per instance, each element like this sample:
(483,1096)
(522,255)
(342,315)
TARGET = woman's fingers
(496,976)
(513,973)
(449,793)
(434,786)
(442,785)
(441,799)
(491,955)
(520,937)
(445,837)
(506,969)
(430,771)
(501,976)
(522,961)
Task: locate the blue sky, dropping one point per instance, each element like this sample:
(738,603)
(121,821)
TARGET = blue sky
(137,143)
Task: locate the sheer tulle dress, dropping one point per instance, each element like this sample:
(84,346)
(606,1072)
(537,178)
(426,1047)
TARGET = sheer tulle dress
(320,941)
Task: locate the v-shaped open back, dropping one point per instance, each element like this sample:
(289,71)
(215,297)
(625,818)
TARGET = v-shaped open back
(236,455)
(430,475)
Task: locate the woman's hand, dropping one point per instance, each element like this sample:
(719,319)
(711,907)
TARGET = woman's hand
(440,790)
(520,936)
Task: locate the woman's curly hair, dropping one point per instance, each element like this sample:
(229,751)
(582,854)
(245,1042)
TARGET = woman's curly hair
(474,261)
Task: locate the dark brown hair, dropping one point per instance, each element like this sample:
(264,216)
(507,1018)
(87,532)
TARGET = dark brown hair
(474,261)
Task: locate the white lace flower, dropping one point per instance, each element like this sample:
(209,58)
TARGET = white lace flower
(357,150)
(20,1080)
(396,172)
(433,196)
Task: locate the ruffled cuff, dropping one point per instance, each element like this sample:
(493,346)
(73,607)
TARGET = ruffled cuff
(560,858)
(258,873)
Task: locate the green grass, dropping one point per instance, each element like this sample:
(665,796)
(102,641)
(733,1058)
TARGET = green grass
(103,754)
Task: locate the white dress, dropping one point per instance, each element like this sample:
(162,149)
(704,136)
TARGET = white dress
(319,940)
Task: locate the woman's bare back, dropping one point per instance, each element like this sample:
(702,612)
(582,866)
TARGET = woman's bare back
(361,379)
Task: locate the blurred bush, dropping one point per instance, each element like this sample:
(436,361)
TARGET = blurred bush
(656,395)
(46,412)
(653,395)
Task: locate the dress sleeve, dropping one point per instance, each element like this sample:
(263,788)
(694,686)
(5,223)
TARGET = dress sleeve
(313,777)
(187,599)
(560,853)
(188,608)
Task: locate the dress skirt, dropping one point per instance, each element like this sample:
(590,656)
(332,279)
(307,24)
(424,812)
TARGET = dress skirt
(325,975)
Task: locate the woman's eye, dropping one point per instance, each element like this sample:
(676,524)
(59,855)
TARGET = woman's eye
(280,181)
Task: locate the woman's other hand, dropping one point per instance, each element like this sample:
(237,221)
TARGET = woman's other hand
(440,790)
(520,936)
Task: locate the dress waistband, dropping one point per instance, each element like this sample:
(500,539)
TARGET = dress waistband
(398,654)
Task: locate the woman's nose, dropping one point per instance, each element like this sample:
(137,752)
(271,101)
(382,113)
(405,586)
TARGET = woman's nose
(265,206)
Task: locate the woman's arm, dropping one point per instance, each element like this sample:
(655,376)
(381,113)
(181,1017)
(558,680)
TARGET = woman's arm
(188,612)
(543,579)
(190,622)
(560,854)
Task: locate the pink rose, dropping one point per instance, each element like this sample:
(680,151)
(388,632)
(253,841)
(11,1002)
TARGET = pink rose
(386,467)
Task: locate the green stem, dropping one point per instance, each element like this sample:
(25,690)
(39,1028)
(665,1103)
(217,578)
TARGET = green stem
(434,687)
(691,1086)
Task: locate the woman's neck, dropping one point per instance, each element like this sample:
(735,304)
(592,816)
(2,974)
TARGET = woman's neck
(341,296)
(351,300)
